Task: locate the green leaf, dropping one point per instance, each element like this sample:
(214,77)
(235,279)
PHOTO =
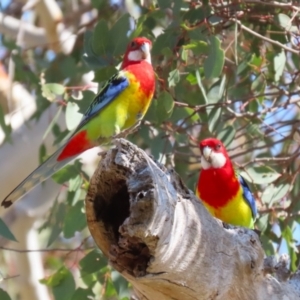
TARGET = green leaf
(285,22)
(214,118)
(94,261)
(101,40)
(287,234)
(53,122)
(273,193)
(104,74)
(167,100)
(163,4)
(5,232)
(62,283)
(215,93)
(173,78)
(254,130)
(81,294)
(260,175)
(119,34)
(51,91)
(4,295)
(84,103)
(110,291)
(120,284)
(75,220)
(263,222)
(42,153)
(160,146)
(6,128)
(55,221)
(214,63)
(166,40)
(200,84)
(162,108)
(279,64)
(227,135)
(67,172)
(92,59)
(75,183)
(73,116)
(198,47)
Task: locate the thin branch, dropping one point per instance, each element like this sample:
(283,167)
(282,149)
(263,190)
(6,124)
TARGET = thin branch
(264,37)
(45,250)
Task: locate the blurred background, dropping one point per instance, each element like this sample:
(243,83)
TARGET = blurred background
(223,69)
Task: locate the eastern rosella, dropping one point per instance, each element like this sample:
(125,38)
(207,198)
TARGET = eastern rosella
(224,193)
(120,105)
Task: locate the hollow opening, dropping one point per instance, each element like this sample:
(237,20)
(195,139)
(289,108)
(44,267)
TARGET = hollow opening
(113,211)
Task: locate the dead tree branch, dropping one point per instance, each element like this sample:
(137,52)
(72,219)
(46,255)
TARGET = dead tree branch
(160,237)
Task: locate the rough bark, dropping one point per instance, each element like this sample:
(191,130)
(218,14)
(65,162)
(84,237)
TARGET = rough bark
(160,237)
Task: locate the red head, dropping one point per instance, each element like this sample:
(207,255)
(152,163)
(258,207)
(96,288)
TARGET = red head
(138,50)
(213,154)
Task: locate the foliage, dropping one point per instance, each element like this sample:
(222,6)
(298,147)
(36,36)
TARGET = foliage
(224,69)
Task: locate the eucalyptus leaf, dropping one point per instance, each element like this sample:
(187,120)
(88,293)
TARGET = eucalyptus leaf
(73,116)
(52,91)
(279,64)
(75,220)
(121,284)
(226,135)
(260,175)
(214,63)
(4,295)
(274,193)
(5,232)
(214,118)
(173,78)
(94,261)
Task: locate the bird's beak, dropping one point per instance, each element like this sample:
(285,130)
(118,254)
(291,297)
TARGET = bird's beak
(145,50)
(206,152)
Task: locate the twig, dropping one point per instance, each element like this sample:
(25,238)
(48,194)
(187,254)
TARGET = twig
(264,37)
(44,250)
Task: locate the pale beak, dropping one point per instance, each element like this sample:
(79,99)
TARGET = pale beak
(145,50)
(206,152)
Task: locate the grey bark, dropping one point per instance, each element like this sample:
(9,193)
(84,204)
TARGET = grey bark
(158,235)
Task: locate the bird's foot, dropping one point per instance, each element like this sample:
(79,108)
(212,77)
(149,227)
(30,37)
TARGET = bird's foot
(226,226)
(102,153)
(124,133)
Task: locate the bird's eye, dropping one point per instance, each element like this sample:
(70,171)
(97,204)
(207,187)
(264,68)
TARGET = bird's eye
(218,146)
(133,44)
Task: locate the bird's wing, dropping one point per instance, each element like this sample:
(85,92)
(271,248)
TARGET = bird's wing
(113,87)
(248,196)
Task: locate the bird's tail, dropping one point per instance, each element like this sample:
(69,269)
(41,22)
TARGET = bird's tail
(40,174)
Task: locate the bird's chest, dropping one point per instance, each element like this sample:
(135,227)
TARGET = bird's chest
(216,188)
(136,99)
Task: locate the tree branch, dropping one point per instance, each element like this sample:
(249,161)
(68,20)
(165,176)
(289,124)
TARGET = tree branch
(161,238)
(265,38)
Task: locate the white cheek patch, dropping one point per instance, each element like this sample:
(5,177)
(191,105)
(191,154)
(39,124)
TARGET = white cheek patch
(205,164)
(218,160)
(135,55)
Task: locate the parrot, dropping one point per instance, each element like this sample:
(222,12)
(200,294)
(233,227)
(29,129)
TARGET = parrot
(119,106)
(224,193)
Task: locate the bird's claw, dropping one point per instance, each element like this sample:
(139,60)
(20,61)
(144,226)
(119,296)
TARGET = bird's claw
(124,133)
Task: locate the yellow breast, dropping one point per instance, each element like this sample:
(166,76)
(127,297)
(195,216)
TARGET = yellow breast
(123,112)
(236,211)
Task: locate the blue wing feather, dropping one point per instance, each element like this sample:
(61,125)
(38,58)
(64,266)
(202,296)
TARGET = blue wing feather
(248,196)
(113,87)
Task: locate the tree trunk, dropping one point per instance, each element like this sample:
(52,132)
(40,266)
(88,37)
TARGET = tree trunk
(158,235)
